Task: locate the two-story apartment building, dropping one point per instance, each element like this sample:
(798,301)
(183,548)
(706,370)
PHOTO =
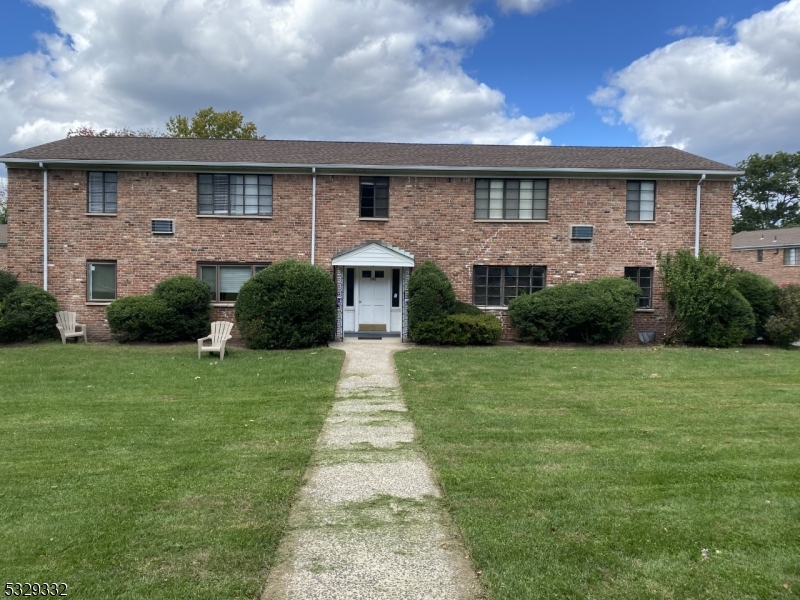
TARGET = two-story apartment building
(774,253)
(94,219)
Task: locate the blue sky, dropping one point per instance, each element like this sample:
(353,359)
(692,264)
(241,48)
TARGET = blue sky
(719,78)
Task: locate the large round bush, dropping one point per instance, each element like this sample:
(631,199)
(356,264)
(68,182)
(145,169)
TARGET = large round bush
(430,296)
(28,313)
(190,301)
(761,293)
(783,329)
(8,283)
(141,319)
(290,304)
(734,324)
(460,329)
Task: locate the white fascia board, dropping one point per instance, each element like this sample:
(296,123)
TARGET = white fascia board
(373,255)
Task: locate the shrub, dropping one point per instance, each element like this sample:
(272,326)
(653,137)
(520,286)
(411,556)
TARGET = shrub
(783,329)
(190,301)
(761,293)
(28,313)
(430,296)
(462,308)
(289,304)
(141,319)
(701,292)
(460,330)
(598,311)
(8,284)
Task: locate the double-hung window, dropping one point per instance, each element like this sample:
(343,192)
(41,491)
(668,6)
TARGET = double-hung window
(641,201)
(102,192)
(791,257)
(225,281)
(374,197)
(234,195)
(497,286)
(101,281)
(643,277)
(511,199)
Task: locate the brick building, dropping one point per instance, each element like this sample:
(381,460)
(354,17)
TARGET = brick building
(774,253)
(125,213)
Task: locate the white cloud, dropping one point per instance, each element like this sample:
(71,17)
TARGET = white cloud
(313,69)
(527,6)
(724,98)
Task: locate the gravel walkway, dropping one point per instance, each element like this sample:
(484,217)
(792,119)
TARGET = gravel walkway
(368,523)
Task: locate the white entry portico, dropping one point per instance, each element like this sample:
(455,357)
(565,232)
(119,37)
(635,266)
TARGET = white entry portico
(372,282)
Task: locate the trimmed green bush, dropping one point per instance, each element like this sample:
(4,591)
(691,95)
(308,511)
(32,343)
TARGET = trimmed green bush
(141,319)
(783,329)
(762,294)
(290,304)
(28,313)
(430,296)
(8,283)
(190,301)
(460,330)
(701,291)
(598,311)
(462,308)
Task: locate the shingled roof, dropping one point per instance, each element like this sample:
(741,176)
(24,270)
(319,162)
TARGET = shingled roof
(766,238)
(364,154)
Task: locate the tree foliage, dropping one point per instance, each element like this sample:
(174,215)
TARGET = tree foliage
(767,196)
(208,123)
(3,201)
(87,131)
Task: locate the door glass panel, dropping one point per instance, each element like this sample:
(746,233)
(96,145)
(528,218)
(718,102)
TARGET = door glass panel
(378,274)
(367,274)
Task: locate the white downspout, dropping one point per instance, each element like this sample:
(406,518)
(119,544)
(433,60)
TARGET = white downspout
(44,233)
(313,213)
(697,218)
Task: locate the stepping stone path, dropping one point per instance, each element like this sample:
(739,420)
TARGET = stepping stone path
(368,523)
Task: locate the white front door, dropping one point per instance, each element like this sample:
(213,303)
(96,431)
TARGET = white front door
(373,298)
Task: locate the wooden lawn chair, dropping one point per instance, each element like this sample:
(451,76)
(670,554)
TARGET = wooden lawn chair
(220,334)
(67,326)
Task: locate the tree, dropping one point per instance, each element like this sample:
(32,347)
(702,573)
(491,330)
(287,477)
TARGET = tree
(208,123)
(3,201)
(86,131)
(767,196)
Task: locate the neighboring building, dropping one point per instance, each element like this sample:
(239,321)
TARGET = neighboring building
(124,213)
(774,253)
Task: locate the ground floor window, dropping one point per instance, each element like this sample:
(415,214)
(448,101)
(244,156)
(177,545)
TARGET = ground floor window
(497,286)
(225,281)
(643,277)
(101,281)
(791,257)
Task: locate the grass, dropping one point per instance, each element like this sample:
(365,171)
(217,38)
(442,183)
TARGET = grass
(606,473)
(143,472)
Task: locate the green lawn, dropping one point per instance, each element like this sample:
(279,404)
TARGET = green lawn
(143,472)
(605,473)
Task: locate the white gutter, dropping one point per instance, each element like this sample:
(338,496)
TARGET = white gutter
(339,167)
(44,232)
(313,213)
(697,218)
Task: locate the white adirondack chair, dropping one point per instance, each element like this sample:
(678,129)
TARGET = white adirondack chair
(67,326)
(220,334)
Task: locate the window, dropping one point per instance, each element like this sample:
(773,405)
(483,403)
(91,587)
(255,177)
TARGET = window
(497,286)
(791,257)
(234,195)
(395,288)
(641,201)
(512,199)
(102,192)
(101,280)
(374,197)
(643,277)
(351,287)
(759,256)
(225,281)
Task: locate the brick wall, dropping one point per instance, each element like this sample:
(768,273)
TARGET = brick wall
(431,217)
(771,265)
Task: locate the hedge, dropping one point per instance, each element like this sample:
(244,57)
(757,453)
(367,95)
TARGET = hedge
(190,301)
(28,313)
(141,319)
(762,295)
(430,296)
(783,329)
(460,330)
(8,283)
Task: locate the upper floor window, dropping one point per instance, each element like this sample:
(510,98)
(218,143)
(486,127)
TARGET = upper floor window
(225,281)
(497,286)
(374,197)
(239,195)
(641,201)
(512,199)
(102,192)
(791,257)
(759,256)
(643,277)
(101,281)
